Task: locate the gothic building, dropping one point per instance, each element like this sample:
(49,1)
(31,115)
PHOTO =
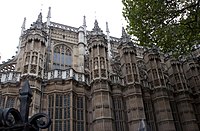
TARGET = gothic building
(90,81)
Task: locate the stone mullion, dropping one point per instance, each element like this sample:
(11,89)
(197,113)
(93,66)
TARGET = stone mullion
(84,112)
(37,65)
(33,102)
(6,98)
(71,110)
(32,45)
(51,56)
(65,52)
(184,79)
(54,111)
(60,57)
(155,62)
(106,66)
(29,65)
(102,108)
(93,64)
(130,62)
(99,61)
(152,74)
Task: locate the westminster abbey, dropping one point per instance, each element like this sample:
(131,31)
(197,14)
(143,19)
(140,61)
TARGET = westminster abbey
(90,81)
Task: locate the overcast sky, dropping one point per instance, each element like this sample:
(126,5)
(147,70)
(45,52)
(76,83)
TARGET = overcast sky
(68,12)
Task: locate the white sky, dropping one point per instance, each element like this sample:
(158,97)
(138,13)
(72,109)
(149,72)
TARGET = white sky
(68,12)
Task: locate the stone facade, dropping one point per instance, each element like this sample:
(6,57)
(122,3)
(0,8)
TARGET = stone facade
(89,81)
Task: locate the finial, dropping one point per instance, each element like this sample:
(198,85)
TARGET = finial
(125,37)
(38,24)
(39,19)
(84,21)
(49,16)
(49,13)
(96,29)
(124,32)
(23,26)
(107,30)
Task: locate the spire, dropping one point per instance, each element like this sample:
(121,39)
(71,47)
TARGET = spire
(39,19)
(96,30)
(84,25)
(84,21)
(107,30)
(108,39)
(49,16)
(125,37)
(38,24)
(23,26)
(124,34)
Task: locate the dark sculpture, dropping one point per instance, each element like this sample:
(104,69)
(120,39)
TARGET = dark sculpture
(13,120)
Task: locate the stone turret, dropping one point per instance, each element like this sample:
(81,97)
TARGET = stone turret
(31,59)
(191,69)
(101,100)
(159,95)
(132,92)
(81,49)
(182,94)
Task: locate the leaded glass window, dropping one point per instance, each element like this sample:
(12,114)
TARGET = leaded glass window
(59,111)
(119,114)
(62,57)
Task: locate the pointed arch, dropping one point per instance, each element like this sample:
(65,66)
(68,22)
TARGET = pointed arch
(62,57)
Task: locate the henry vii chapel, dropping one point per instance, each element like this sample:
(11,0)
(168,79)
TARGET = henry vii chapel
(87,80)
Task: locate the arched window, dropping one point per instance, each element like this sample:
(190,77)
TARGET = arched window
(62,57)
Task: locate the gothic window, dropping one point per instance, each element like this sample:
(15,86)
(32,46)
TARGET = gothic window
(175,116)
(27,60)
(34,58)
(33,69)
(60,111)
(128,68)
(40,71)
(62,57)
(95,63)
(96,73)
(26,69)
(149,113)
(103,72)
(102,63)
(134,68)
(118,114)
(80,119)
(10,102)
(160,73)
(41,60)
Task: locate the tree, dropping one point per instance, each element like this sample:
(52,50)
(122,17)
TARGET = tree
(172,25)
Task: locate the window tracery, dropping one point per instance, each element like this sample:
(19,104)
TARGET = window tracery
(62,57)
